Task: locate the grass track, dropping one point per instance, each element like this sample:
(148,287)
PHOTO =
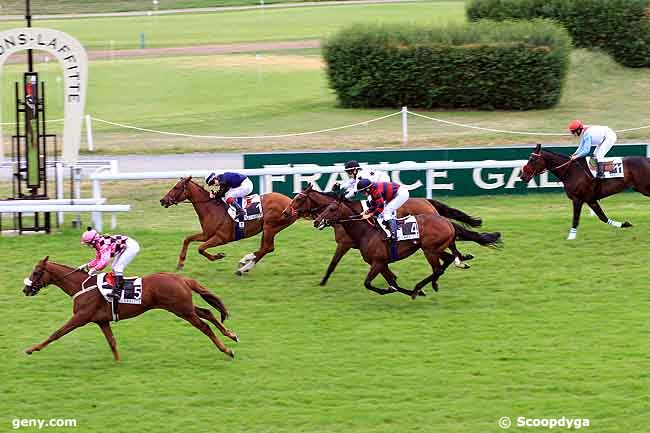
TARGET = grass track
(542,328)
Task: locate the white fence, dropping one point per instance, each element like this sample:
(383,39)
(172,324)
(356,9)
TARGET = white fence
(266,174)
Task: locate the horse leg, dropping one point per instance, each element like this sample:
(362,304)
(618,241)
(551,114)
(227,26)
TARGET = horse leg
(75,322)
(601,216)
(110,338)
(206,314)
(212,242)
(186,243)
(196,321)
(433,257)
(459,259)
(391,278)
(577,208)
(375,269)
(341,250)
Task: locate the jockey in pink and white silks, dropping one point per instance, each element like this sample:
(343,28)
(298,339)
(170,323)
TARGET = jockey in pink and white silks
(603,137)
(235,185)
(122,249)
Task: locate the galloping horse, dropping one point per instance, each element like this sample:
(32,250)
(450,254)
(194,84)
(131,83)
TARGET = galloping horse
(160,290)
(436,234)
(581,187)
(309,203)
(218,228)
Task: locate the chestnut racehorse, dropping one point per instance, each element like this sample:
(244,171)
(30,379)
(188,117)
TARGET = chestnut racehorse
(218,228)
(580,185)
(160,290)
(309,203)
(436,234)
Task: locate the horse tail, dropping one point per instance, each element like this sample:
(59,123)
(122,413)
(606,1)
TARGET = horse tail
(455,214)
(210,298)
(485,239)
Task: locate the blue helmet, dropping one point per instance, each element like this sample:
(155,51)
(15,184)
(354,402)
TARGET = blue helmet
(363,184)
(209,179)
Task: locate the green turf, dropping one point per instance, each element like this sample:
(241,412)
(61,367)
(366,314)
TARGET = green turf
(542,328)
(243,26)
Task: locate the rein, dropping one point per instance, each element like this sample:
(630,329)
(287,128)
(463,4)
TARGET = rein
(539,155)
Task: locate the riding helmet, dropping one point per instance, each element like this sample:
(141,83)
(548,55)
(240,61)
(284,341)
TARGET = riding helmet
(89,235)
(575,126)
(363,184)
(352,165)
(209,179)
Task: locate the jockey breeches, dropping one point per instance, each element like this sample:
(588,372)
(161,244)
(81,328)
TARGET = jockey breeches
(129,253)
(242,190)
(390,210)
(604,147)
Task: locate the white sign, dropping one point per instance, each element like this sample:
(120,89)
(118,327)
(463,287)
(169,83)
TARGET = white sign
(74,62)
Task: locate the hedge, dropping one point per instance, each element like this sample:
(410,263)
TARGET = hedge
(485,65)
(620,27)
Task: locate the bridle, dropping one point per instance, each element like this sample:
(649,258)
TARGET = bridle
(539,155)
(173,200)
(294,212)
(38,276)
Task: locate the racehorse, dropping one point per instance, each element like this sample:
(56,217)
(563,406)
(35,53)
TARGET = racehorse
(580,185)
(436,234)
(218,228)
(309,203)
(160,290)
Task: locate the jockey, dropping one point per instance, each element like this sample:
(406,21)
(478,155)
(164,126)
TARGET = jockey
(387,198)
(603,137)
(232,186)
(122,249)
(355,173)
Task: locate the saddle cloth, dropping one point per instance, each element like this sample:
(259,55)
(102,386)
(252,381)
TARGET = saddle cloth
(407,228)
(132,293)
(252,205)
(612,167)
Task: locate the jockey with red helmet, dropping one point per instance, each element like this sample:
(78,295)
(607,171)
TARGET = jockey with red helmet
(387,198)
(603,137)
(231,187)
(122,249)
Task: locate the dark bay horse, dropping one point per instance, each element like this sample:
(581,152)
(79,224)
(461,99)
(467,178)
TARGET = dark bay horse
(581,187)
(160,290)
(218,228)
(436,235)
(309,203)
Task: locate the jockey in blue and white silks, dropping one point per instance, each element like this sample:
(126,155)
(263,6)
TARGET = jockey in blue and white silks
(355,173)
(603,137)
(233,185)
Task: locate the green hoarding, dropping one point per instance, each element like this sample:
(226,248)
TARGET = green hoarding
(456,182)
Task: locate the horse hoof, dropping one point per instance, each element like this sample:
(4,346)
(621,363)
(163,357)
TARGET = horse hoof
(239,273)
(468,257)
(28,351)
(180,267)
(219,256)
(421,293)
(626,224)
(235,338)
(232,353)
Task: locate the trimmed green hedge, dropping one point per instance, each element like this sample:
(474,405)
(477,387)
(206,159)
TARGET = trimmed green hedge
(485,65)
(620,27)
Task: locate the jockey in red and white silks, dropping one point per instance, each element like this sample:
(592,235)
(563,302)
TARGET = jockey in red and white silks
(387,198)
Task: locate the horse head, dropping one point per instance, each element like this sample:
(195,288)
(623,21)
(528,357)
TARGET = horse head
(301,204)
(534,166)
(38,279)
(333,213)
(183,190)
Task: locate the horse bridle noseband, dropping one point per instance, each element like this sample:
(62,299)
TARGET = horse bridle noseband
(175,202)
(311,212)
(539,155)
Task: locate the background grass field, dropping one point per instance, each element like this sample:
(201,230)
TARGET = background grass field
(271,92)
(542,328)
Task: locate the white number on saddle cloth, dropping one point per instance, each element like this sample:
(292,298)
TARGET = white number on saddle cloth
(407,228)
(252,205)
(129,295)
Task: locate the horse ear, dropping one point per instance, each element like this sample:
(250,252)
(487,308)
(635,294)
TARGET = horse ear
(46,259)
(310,187)
(538,148)
(189,177)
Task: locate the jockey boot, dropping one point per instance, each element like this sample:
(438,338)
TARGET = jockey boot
(599,170)
(116,294)
(393,229)
(240,212)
